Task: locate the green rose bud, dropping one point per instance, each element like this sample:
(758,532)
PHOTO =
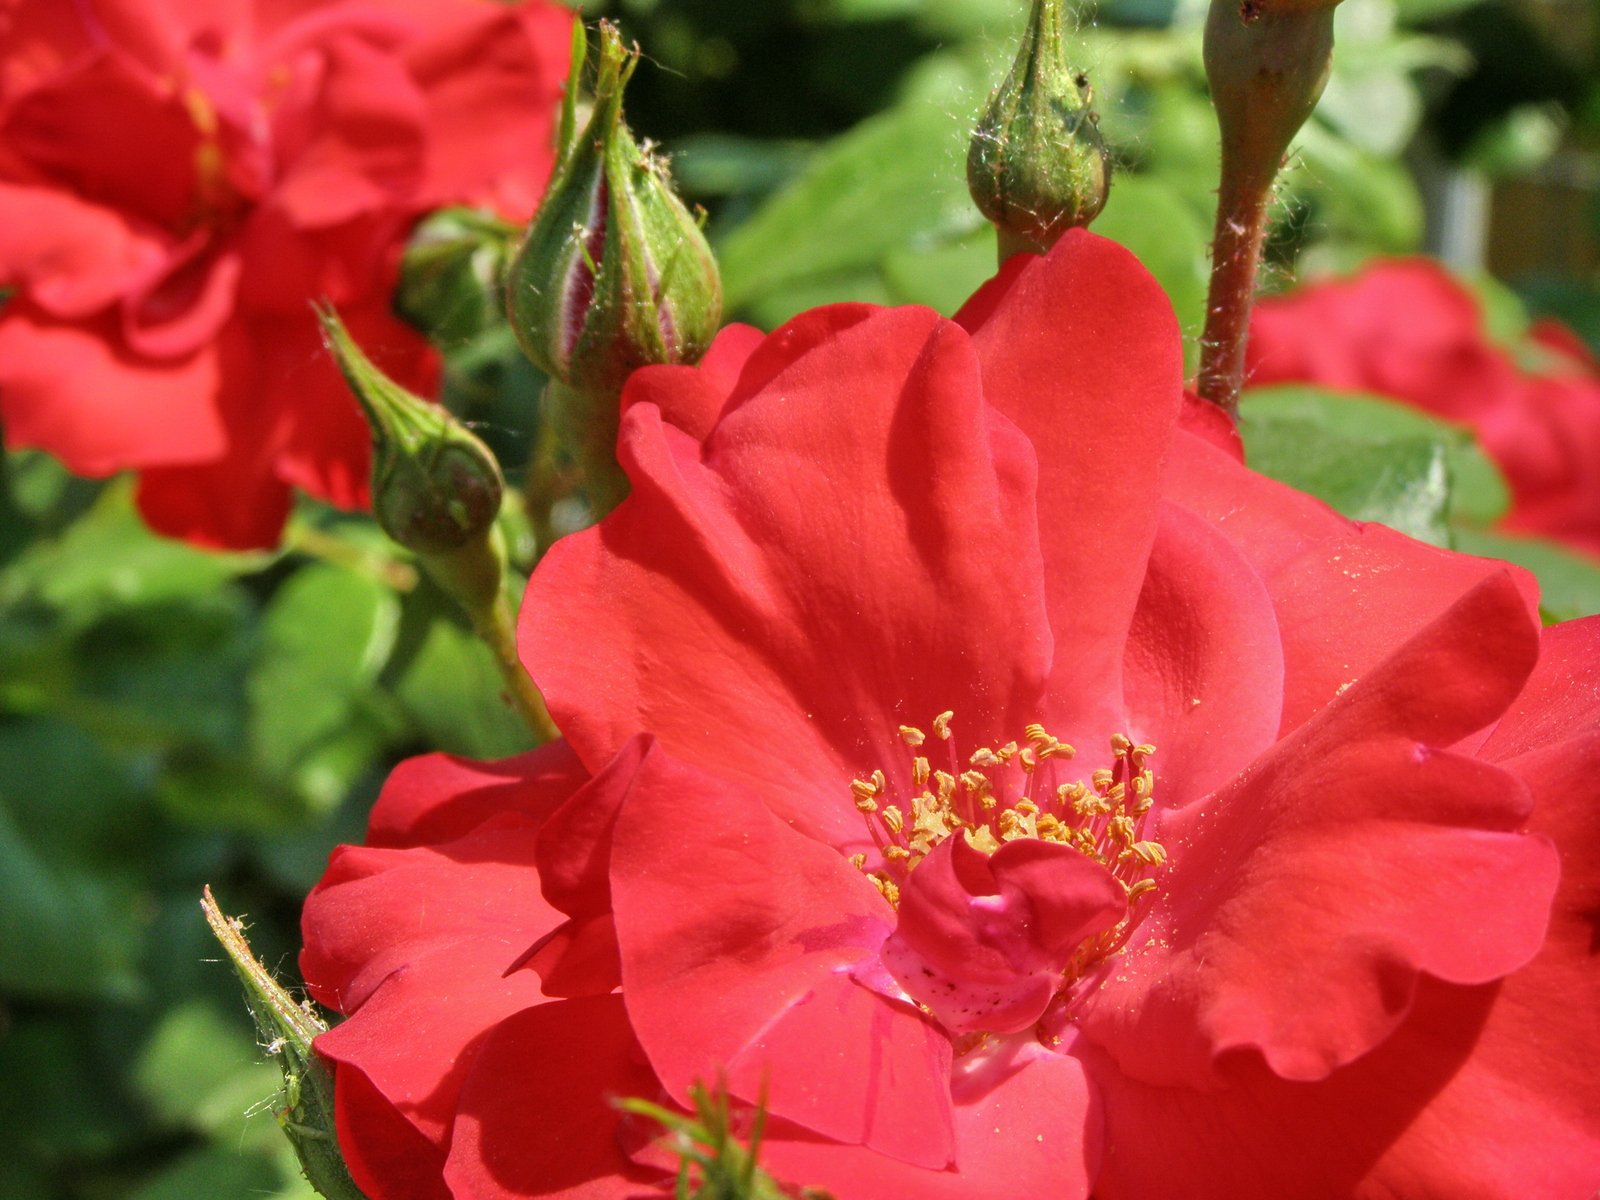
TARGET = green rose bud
(1037,165)
(450,274)
(615,272)
(435,487)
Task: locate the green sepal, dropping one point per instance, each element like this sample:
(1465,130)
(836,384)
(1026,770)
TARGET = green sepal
(287,1030)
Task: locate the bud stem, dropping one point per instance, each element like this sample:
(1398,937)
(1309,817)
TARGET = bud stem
(1267,70)
(474,575)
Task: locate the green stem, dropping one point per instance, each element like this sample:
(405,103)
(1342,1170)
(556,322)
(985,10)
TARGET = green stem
(475,576)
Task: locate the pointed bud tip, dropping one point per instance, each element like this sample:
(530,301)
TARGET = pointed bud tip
(435,486)
(615,272)
(1037,164)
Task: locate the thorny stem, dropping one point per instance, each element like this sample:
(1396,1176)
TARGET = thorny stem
(1235,258)
(1267,71)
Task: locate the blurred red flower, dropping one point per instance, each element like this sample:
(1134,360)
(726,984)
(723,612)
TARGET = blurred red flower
(1281,926)
(178,179)
(1407,329)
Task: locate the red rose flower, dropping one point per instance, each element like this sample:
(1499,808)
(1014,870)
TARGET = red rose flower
(177,180)
(1281,925)
(1406,328)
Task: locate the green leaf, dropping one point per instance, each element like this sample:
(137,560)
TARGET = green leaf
(896,182)
(70,816)
(1284,424)
(108,561)
(326,636)
(1162,230)
(200,1070)
(1569,583)
(219,1171)
(452,692)
(1401,483)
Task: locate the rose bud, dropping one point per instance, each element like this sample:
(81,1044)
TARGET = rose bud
(435,487)
(615,273)
(1037,165)
(450,273)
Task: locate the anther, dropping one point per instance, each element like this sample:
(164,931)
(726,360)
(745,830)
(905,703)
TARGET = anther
(941,725)
(912,736)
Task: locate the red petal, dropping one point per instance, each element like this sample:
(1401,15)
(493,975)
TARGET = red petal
(1082,351)
(536,1115)
(853,548)
(387,1156)
(1561,700)
(982,941)
(1346,595)
(75,391)
(352,138)
(1300,904)
(439,797)
(232,504)
(492,86)
(737,936)
(59,128)
(1203,671)
(692,398)
(1032,1131)
(1403,328)
(326,447)
(575,843)
(69,257)
(423,981)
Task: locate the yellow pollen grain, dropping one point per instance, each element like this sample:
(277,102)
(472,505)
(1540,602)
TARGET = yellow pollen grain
(912,736)
(1153,853)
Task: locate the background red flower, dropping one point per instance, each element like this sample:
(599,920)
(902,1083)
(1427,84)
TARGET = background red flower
(178,180)
(1407,329)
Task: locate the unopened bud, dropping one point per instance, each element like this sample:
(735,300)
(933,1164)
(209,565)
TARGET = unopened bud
(435,487)
(1037,165)
(615,272)
(450,274)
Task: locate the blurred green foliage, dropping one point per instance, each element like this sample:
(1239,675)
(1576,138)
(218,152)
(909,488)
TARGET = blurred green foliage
(170,717)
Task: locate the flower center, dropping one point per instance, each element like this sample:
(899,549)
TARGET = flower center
(996,795)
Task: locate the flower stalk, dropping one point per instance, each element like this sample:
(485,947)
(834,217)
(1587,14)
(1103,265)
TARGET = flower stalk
(437,489)
(1267,66)
(287,1030)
